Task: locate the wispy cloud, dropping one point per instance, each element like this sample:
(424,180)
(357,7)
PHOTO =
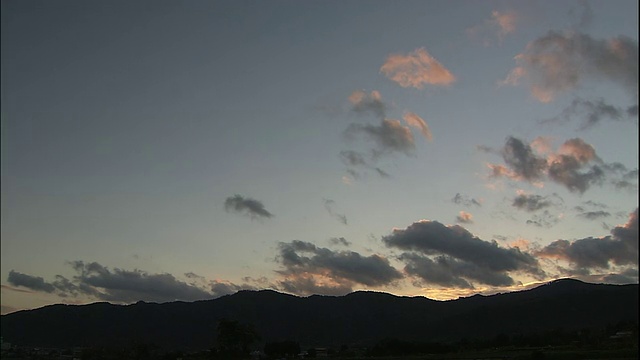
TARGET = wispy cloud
(328,205)
(416,69)
(416,121)
(247,206)
(531,202)
(389,136)
(362,102)
(499,25)
(465,200)
(560,62)
(592,112)
(594,215)
(340,241)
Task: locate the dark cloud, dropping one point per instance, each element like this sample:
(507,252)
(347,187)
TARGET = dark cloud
(448,271)
(390,136)
(117,285)
(340,241)
(465,200)
(356,160)
(531,203)
(353,158)
(591,112)
(454,248)
(575,165)
(522,159)
(559,62)
(30,282)
(340,266)
(128,286)
(594,215)
(566,170)
(304,285)
(544,219)
(626,181)
(248,206)
(328,205)
(619,248)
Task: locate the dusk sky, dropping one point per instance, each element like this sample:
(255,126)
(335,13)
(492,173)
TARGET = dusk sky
(184,150)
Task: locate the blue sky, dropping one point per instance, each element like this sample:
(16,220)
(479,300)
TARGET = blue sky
(167,151)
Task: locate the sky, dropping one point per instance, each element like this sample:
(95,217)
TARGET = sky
(162,150)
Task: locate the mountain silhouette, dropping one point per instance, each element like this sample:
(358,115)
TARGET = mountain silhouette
(360,318)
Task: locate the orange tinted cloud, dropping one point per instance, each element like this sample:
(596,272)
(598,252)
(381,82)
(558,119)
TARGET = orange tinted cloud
(464,217)
(416,121)
(506,21)
(499,25)
(559,62)
(416,69)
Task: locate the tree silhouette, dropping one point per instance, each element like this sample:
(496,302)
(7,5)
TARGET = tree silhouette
(235,339)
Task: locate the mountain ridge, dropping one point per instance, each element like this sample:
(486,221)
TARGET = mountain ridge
(359,318)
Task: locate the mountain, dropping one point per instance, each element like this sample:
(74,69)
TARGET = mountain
(359,318)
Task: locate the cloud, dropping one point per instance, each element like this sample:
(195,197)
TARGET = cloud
(356,160)
(591,113)
(96,281)
(594,215)
(448,271)
(299,257)
(305,284)
(340,241)
(521,158)
(575,165)
(368,103)
(560,62)
(501,24)
(464,218)
(416,121)
(128,286)
(455,251)
(328,205)
(465,200)
(30,282)
(530,203)
(619,248)
(544,219)
(416,69)
(390,136)
(248,206)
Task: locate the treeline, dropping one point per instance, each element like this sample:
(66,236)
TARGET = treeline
(235,340)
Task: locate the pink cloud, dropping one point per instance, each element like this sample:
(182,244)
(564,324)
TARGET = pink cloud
(416,69)
(464,217)
(416,121)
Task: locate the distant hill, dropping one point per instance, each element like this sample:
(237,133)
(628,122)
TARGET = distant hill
(359,318)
